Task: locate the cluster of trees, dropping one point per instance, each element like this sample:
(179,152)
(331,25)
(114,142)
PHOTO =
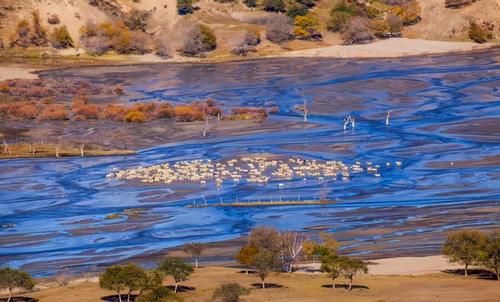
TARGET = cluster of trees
(269,250)
(361,22)
(99,38)
(35,35)
(474,248)
(131,280)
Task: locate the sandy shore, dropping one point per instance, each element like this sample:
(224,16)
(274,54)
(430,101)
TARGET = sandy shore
(390,48)
(406,266)
(8,72)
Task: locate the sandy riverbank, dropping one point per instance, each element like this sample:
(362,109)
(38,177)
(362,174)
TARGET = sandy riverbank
(390,48)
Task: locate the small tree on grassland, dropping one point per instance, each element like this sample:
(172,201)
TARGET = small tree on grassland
(178,269)
(264,262)
(195,249)
(352,267)
(333,265)
(229,292)
(127,278)
(490,255)
(464,247)
(12,278)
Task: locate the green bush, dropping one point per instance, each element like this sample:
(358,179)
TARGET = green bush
(159,294)
(229,292)
(338,21)
(61,38)
(297,9)
(274,5)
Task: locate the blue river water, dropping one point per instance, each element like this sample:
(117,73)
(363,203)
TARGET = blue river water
(444,128)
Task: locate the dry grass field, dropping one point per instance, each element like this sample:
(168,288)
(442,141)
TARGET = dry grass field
(310,287)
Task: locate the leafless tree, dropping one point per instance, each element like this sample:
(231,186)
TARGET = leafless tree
(279,29)
(358,31)
(291,244)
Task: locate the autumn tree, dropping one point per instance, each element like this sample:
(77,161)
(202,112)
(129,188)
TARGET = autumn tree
(195,249)
(409,12)
(177,269)
(490,254)
(464,247)
(12,278)
(307,28)
(245,256)
(61,38)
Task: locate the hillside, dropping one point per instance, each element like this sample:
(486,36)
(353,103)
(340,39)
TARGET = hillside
(230,21)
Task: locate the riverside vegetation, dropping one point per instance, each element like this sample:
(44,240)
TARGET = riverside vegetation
(126,31)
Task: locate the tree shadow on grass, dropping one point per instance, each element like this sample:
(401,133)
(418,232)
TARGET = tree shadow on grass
(114,298)
(345,286)
(268,285)
(478,273)
(181,288)
(19,299)
(250,272)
